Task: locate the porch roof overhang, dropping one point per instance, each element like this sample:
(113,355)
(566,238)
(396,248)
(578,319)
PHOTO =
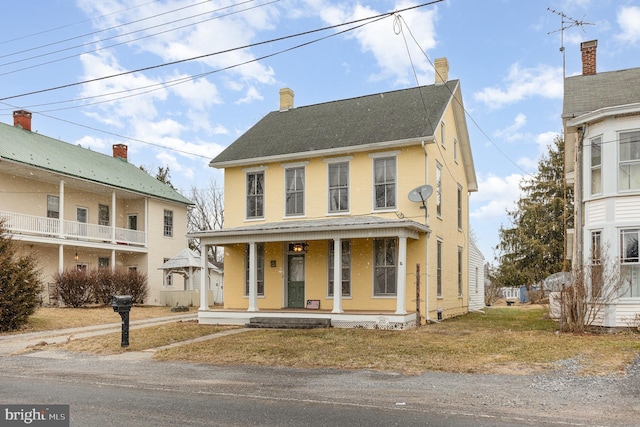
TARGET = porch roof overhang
(361,227)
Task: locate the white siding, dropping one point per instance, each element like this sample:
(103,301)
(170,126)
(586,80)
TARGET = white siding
(595,212)
(627,208)
(476,278)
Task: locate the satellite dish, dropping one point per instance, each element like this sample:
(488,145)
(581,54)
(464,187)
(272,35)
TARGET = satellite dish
(420,194)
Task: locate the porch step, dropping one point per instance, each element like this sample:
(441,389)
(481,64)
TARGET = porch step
(288,323)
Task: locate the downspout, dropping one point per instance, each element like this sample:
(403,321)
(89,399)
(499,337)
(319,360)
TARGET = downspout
(578,197)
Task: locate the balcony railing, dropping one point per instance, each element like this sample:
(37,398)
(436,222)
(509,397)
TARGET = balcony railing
(50,227)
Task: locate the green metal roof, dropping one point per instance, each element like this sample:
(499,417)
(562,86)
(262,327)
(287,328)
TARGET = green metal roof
(391,116)
(32,149)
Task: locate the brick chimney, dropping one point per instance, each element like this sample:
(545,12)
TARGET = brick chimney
(22,119)
(120,151)
(589,57)
(286,99)
(442,70)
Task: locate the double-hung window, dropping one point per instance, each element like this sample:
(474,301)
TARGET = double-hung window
(255,194)
(53,207)
(597,273)
(438,190)
(460,279)
(346,267)
(596,165)
(385,178)
(439,268)
(294,191)
(630,261)
(259,269)
(629,167)
(338,187)
(385,263)
(459,207)
(103,215)
(168,223)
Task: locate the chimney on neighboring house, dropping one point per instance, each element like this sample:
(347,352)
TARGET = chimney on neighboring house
(589,57)
(442,70)
(120,150)
(22,119)
(286,99)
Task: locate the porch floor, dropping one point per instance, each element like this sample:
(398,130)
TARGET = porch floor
(348,319)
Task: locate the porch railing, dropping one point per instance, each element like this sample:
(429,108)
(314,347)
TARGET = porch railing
(50,227)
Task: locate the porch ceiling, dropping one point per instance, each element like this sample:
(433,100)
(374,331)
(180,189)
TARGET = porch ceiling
(319,229)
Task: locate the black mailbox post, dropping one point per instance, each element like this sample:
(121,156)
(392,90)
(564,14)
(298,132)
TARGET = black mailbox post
(122,304)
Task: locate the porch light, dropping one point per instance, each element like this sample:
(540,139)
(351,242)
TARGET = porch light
(75,257)
(299,247)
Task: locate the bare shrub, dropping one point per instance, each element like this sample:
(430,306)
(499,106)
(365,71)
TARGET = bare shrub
(74,288)
(131,282)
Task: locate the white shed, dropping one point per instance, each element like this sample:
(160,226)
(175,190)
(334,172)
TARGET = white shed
(476,278)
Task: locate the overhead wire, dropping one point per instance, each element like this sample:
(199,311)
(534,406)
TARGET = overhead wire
(362,22)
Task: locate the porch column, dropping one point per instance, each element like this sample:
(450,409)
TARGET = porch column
(337,276)
(113,260)
(253,277)
(60,258)
(61,209)
(401,291)
(204,296)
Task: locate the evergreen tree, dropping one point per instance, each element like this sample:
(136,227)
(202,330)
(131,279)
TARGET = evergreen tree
(20,284)
(533,247)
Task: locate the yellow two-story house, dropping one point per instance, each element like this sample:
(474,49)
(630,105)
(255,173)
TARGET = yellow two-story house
(353,210)
(73,208)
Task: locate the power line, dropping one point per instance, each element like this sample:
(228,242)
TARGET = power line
(371,18)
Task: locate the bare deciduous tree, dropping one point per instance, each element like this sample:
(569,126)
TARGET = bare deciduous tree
(595,286)
(207,213)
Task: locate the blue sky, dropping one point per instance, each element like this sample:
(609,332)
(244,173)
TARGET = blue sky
(506,54)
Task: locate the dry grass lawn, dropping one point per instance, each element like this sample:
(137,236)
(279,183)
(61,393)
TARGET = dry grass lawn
(47,318)
(505,340)
(513,340)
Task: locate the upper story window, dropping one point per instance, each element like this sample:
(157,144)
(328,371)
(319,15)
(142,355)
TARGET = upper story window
(459,207)
(384,254)
(53,207)
(384,177)
(455,149)
(596,165)
(438,190)
(339,187)
(103,215)
(255,194)
(168,223)
(629,169)
(442,133)
(294,191)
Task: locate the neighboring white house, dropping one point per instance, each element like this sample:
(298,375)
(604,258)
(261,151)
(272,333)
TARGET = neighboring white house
(476,277)
(601,116)
(75,208)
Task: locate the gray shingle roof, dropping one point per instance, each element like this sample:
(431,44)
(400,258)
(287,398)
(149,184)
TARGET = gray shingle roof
(39,151)
(583,94)
(383,117)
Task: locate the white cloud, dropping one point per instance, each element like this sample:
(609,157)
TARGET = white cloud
(628,19)
(522,83)
(496,194)
(510,133)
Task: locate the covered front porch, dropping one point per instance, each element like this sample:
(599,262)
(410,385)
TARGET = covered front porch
(289,269)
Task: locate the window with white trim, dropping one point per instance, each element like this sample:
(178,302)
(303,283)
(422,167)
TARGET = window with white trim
(629,167)
(294,191)
(255,194)
(345,264)
(384,181)
(459,207)
(596,165)
(338,187)
(103,215)
(168,223)
(53,207)
(439,268)
(597,273)
(630,262)
(460,251)
(384,276)
(442,133)
(438,190)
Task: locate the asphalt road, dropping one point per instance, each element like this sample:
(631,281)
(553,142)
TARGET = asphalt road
(133,390)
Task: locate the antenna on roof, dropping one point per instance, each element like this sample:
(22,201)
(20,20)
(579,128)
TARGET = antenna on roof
(566,23)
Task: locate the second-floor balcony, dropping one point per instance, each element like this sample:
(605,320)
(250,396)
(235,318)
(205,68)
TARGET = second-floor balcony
(17,223)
